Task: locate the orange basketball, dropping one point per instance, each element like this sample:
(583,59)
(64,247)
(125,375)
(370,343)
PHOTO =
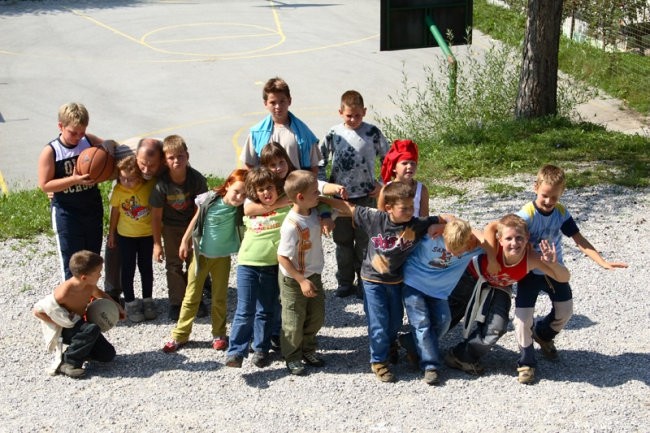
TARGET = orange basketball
(96,162)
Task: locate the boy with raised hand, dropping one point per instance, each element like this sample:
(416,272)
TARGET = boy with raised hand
(547,219)
(393,234)
(172,209)
(62,316)
(283,127)
(486,297)
(354,146)
(300,256)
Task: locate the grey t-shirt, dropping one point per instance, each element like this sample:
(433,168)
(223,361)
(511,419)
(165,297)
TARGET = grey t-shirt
(389,243)
(176,200)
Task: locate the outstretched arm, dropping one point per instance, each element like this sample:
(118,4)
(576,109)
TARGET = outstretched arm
(344,207)
(585,246)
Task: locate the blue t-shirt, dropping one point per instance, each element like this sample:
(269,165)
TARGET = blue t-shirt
(433,270)
(549,227)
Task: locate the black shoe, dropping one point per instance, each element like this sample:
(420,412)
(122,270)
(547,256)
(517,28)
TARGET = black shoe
(203,310)
(344,291)
(358,291)
(261,359)
(173,312)
(275,343)
(117,298)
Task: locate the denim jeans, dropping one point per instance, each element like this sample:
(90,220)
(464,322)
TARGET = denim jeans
(257,293)
(429,319)
(384,311)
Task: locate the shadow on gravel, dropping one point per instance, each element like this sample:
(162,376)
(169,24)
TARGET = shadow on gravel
(596,369)
(154,362)
(579,321)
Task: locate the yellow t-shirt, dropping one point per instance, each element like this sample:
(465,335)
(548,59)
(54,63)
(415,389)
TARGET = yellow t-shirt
(135,212)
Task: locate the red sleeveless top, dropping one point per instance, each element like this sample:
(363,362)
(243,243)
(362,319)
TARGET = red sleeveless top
(508,275)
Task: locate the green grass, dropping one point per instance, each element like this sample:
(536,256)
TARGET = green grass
(588,153)
(622,75)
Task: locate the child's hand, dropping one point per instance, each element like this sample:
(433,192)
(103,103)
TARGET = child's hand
(158,254)
(110,242)
(435,230)
(342,192)
(121,311)
(82,179)
(185,249)
(547,250)
(326,226)
(614,265)
(308,288)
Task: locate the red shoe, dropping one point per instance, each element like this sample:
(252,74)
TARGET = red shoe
(172,346)
(220,343)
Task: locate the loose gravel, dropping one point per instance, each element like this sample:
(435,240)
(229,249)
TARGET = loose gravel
(599,384)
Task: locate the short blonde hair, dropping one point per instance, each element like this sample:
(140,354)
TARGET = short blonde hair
(297,182)
(551,175)
(457,234)
(174,144)
(74,114)
(513,221)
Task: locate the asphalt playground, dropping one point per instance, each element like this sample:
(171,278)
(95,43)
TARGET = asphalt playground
(193,68)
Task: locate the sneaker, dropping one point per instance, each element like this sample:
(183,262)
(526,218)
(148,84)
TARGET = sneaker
(344,291)
(312,359)
(234,361)
(134,311)
(173,312)
(220,343)
(296,367)
(172,346)
(71,371)
(548,346)
(261,359)
(431,377)
(275,343)
(149,309)
(202,311)
(526,374)
(382,372)
(468,367)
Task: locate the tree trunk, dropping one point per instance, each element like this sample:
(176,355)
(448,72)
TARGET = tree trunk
(537,95)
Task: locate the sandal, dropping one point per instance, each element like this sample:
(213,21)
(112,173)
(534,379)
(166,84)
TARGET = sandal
(172,346)
(382,372)
(526,374)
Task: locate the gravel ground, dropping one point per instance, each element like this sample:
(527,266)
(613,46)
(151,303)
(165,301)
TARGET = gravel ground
(599,384)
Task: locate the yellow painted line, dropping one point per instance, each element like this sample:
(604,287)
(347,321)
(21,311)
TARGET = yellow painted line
(3,185)
(213,38)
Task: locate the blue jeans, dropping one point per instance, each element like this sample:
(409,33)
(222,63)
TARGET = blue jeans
(257,293)
(429,319)
(384,311)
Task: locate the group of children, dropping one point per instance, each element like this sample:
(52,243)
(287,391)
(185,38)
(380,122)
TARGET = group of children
(389,251)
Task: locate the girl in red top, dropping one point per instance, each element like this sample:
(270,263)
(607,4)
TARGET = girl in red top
(486,307)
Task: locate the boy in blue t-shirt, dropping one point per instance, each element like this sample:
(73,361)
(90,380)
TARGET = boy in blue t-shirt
(547,219)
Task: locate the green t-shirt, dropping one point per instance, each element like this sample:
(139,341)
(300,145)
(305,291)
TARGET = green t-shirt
(262,237)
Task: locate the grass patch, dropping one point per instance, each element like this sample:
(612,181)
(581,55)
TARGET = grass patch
(622,75)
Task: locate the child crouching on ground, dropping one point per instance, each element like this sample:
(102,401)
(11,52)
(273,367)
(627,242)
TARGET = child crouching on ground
(300,255)
(62,315)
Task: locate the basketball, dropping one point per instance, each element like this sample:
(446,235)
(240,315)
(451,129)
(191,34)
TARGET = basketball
(103,313)
(96,162)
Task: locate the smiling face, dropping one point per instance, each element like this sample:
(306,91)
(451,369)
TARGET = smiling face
(547,196)
(514,241)
(235,193)
(279,166)
(267,194)
(278,105)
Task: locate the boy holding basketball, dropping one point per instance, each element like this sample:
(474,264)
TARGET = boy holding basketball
(62,315)
(77,208)
(172,209)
